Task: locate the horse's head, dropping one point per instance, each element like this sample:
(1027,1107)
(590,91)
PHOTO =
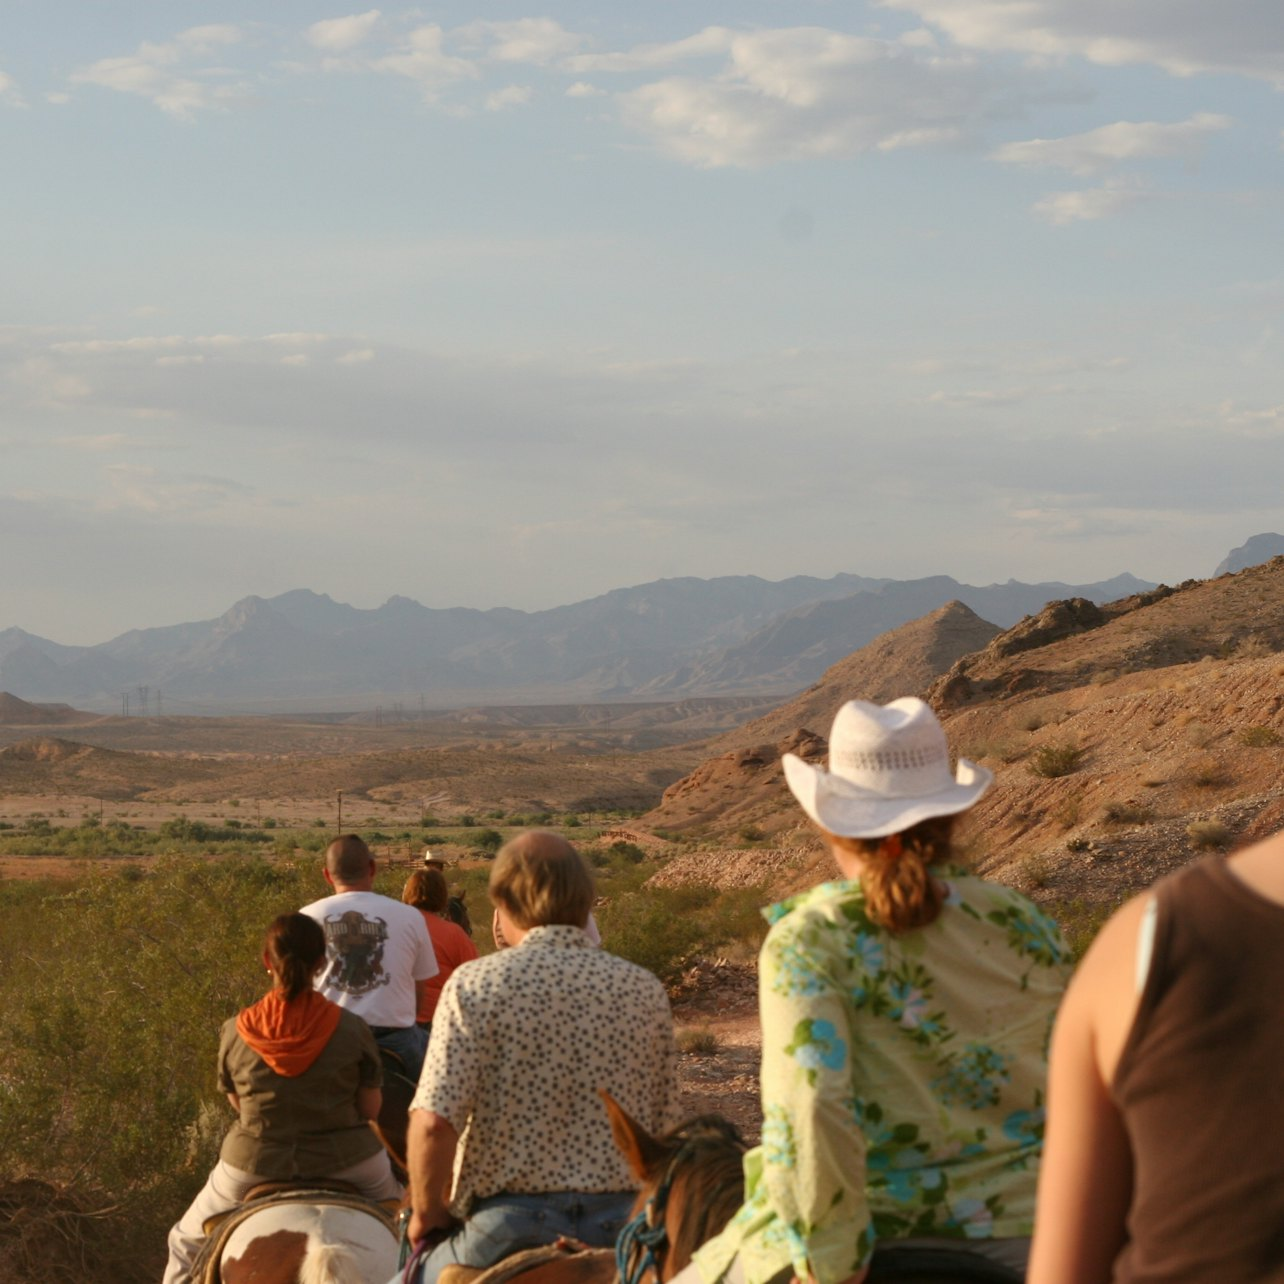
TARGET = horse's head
(692,1183)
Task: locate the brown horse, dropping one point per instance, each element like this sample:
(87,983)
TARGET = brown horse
(692,1182)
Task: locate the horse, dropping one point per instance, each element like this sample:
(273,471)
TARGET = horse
(302,1236)
(692,1181)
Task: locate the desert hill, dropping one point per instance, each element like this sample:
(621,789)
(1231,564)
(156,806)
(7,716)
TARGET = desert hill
(1124,740)
(49,765)
(22,713)
(903,661)
(1253,552)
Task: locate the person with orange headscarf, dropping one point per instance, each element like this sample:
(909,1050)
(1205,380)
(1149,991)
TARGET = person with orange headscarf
(304,1077)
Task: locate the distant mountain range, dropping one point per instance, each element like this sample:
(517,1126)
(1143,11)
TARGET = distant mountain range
(671,639)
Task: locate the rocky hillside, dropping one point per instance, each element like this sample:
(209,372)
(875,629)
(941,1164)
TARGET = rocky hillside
(1124,739)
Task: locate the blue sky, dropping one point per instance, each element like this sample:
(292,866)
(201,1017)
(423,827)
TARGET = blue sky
(511,305)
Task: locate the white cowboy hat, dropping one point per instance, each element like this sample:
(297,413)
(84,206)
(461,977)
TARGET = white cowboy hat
(889,768)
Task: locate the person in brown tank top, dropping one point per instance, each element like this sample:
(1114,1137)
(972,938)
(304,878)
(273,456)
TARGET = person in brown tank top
(1164,1155)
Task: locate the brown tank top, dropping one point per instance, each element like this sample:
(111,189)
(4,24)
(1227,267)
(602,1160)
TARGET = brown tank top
(1200,1086)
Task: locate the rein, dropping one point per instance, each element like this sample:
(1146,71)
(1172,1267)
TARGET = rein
(639,1239)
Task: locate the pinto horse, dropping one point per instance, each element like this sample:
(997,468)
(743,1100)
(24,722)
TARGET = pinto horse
(304,1237)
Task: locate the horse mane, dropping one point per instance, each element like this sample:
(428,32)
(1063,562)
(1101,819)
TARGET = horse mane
(703,1163)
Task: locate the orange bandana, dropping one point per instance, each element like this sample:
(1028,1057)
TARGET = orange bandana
(289,1035)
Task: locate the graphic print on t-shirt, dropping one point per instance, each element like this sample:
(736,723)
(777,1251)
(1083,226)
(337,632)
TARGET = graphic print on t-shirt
(356,952)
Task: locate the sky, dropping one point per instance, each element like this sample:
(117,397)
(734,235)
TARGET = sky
(501,304)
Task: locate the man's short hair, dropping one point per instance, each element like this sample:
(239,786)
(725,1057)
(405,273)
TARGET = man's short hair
(348,858)
(540,879)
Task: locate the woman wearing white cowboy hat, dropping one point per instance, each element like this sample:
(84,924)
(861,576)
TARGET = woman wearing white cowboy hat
(905,1017)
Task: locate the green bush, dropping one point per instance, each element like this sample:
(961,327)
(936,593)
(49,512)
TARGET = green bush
(487,840)
(1055,760)
(1259,737)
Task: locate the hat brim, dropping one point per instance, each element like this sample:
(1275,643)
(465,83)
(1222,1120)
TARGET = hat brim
(851,812)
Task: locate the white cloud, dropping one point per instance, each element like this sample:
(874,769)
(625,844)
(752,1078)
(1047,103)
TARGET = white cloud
(356,357)
(57,99)
(533,40)
(9,91)
(704,44)
(421,57)
(582,89)
(1061,208)
(40,382)
(295,359)
(161,73)
(509,96)
(803,92)
(1262,424)
(1182,36)
(191,359)
(1110,145)
(338,35)
(99,443)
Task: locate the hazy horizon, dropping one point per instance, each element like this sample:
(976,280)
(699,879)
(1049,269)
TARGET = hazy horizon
(513,308)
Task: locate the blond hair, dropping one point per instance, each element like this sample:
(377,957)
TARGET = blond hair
(900,892)
(540,879)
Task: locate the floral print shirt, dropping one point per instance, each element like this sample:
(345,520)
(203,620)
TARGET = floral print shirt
(902,1079)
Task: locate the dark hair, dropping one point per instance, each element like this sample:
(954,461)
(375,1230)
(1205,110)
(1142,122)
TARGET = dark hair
(426,889)
(900,892)
(295,944)
(348,858)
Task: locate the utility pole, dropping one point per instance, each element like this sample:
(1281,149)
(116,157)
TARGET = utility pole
(124,704)
(338,824)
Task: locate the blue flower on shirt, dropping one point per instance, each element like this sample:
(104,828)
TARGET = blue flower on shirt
(870,951)
(815,1045)
(974,1078)
(795,973)
(778,1146)
(1025,1126)
(909,1005)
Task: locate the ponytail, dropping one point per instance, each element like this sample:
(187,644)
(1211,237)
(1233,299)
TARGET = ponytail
(294,944)
(900,892)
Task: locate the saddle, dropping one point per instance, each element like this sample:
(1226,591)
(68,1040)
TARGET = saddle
(218,1229)
(518,1263)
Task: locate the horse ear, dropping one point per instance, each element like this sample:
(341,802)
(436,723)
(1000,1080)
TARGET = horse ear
(643,1152)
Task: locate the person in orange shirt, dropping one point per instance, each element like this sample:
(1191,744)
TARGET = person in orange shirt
(426,890)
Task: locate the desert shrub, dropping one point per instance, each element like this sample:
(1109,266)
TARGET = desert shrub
(1077,844)
(1127,813)
(1208,835)
(467,821)
(487,840)
(1055,760)
(1259,737)
(699,1043)
(571,821)
(1036,870)
(751,833)
(1207,772)
(630,852)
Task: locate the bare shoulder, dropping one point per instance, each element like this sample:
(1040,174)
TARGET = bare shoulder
(1102,999)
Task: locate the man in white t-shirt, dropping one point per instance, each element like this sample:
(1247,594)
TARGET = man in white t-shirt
(376,950)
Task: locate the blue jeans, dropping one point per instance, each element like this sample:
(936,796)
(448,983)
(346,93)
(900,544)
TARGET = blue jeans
(504,1224)
(410,1044)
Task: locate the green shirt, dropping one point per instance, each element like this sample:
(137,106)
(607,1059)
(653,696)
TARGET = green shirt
(902,1079)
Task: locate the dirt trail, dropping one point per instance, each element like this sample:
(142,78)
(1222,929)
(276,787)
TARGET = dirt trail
(721,999)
